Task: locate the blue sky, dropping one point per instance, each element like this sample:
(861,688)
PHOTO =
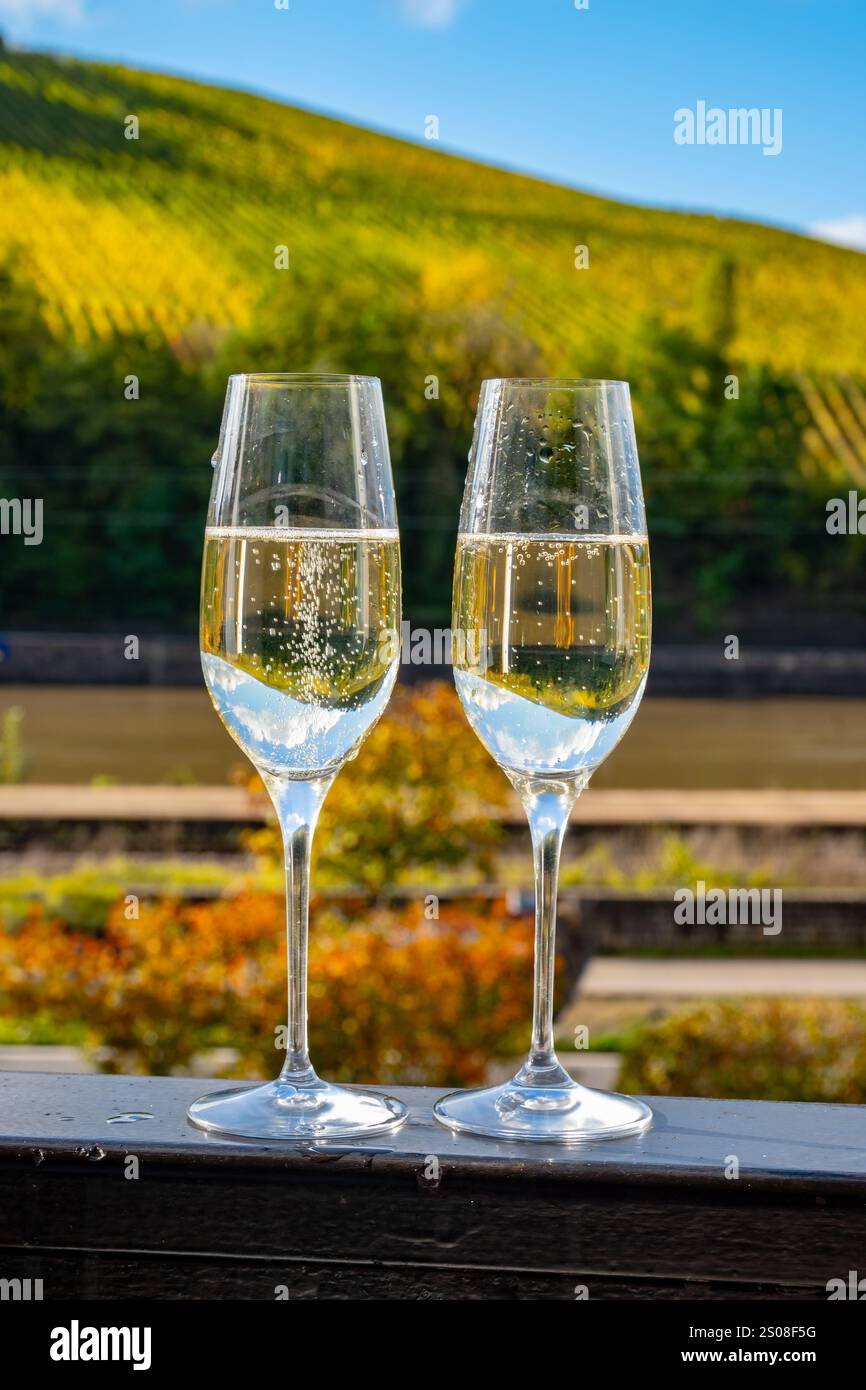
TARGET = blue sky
(586,96)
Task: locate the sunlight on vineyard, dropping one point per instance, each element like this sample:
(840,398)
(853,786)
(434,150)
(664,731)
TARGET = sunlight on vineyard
(114,265)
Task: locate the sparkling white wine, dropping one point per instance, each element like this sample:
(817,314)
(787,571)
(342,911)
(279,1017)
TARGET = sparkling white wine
(552,638)
(299,639)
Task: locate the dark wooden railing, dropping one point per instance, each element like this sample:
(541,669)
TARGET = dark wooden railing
(720,1200)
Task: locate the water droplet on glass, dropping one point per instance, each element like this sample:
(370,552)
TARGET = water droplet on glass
(129,1117)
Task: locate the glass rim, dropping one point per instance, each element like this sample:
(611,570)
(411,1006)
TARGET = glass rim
(551,381)
(303,378)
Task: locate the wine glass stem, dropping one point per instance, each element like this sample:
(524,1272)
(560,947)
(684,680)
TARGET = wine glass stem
(547,809)
(297,803)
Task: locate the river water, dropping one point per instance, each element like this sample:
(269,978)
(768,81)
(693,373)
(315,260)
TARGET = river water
(160,734)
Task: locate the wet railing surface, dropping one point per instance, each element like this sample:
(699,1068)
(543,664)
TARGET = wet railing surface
(107,1192)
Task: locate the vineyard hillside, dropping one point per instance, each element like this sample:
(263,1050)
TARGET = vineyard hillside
(179,226)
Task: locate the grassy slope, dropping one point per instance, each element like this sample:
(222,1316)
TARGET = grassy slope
(181,225)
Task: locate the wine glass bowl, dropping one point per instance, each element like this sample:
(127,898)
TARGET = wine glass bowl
(300,616)
(556,702)
(552,611)
(298,677)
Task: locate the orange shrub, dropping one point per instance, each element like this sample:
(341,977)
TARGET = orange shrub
(753,1049)
(393,997)
(421,798)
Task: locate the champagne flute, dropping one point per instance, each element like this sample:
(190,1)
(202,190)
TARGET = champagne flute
(551,648)
(300,611)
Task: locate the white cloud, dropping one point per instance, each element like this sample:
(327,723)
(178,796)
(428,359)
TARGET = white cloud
(21,14)
(431,14)
(843,231)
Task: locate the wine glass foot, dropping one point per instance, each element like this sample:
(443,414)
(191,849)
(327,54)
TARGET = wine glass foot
(312,1111)
(565,1113)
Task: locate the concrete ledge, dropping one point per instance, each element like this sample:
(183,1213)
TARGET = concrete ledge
(774,809)
(688,669)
